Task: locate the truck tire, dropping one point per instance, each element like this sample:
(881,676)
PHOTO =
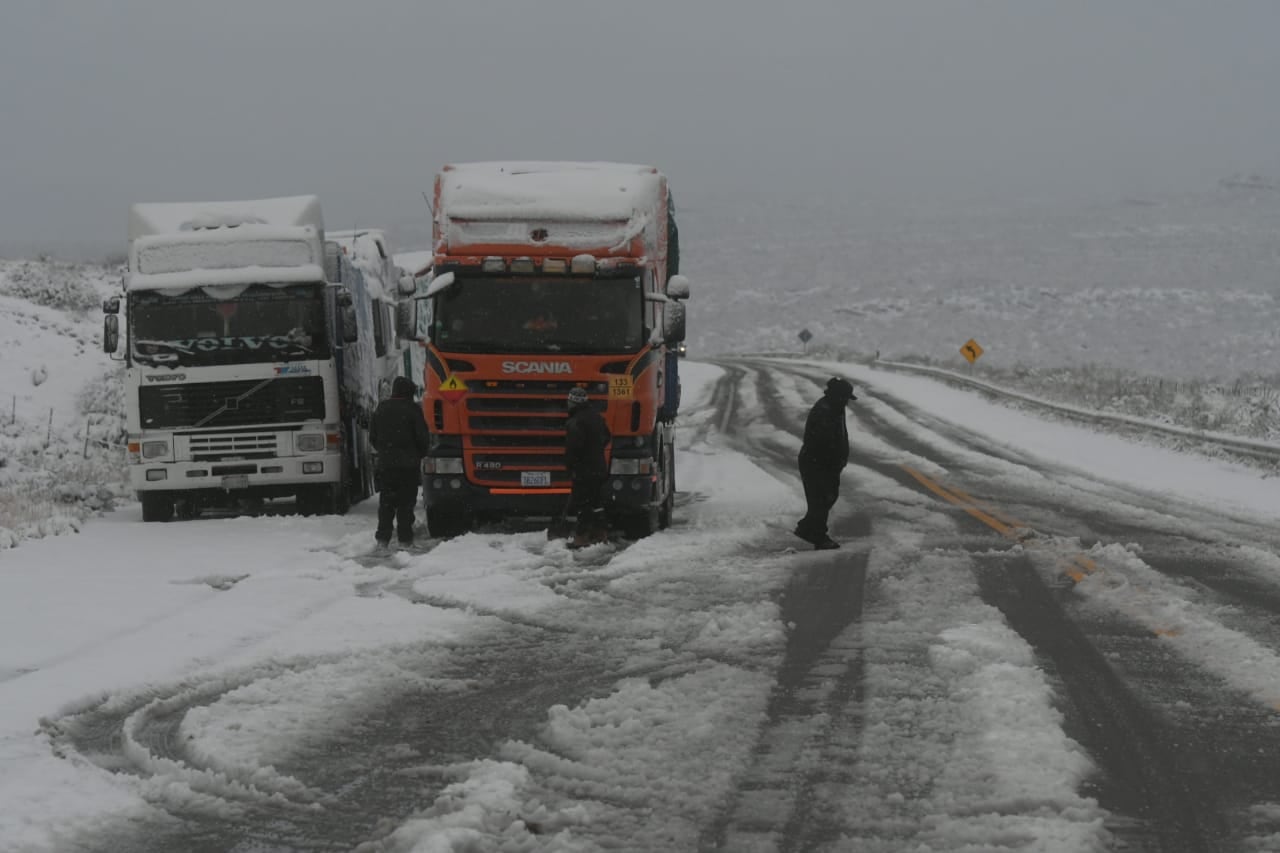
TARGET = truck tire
(313,500)
(668,502)
(641,524)
(339,499)
(446,523)
(156,507)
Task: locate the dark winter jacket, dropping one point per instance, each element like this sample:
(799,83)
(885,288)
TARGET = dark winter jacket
(398,431)
(585,439)
(826,437)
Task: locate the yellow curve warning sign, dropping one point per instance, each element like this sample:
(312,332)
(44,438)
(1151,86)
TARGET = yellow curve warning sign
(971,351)
(453,388)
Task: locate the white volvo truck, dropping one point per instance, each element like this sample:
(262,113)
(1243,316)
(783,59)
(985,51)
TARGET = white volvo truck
(253,358)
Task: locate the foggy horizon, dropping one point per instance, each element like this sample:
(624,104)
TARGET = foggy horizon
(877,104)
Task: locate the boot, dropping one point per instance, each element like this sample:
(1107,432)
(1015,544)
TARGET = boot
(580,540)
(826,543)
(804,534)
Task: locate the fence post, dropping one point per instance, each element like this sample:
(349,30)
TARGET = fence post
(48,435)
(13,417)
(85,453)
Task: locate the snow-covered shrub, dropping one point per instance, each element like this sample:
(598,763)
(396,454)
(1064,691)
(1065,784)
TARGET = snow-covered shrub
(53,284)
(47,489)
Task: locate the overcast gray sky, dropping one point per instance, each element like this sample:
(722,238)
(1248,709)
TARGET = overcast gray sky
(106,102)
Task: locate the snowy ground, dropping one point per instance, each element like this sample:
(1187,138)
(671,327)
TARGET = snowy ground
(272,633)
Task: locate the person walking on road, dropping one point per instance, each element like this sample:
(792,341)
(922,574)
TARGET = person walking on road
(585,439)
(399,434)
(824,454)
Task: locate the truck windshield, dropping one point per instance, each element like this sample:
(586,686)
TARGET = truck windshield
(263,323)
(532,315)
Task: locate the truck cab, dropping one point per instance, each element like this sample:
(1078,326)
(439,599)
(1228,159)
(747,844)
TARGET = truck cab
(546,277)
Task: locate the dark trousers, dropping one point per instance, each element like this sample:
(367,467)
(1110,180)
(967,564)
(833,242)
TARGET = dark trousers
(821,488)
(587,502)
(396,499)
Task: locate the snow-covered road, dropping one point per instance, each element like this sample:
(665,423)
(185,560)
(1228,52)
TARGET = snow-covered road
(1035,638)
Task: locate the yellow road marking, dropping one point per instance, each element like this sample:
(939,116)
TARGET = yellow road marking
(990,510)
(994,523)
(1078,567)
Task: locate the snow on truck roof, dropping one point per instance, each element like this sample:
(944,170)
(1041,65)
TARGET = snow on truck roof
(154,219)
(548,190)
(177,246)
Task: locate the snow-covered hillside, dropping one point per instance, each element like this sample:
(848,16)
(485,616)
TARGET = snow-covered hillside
(60,407)
(1184,286)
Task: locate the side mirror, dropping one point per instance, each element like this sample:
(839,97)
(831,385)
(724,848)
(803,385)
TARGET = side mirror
(440,283)
(407,320)
(343,298)
(332,262)
(678,287)
(111,306)
(408,286)
(110,333)
(673,322)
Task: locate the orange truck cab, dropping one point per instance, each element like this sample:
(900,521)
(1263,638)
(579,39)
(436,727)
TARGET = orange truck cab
(548,276)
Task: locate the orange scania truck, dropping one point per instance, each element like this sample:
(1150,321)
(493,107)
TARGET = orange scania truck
(548,276)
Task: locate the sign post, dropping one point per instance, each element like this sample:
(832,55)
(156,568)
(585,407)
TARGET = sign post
(805,336)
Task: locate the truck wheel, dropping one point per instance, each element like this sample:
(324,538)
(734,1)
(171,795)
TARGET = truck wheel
(339,500)
(669,502)
(156,507)
(642,524)
(313,500)
(443,523)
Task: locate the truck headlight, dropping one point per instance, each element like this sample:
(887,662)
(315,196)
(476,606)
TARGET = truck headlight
(442,465)
(154,449)
(630,466)
(309,442)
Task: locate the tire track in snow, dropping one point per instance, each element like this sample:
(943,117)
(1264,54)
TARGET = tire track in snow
(1211,744)
(821,670)
(1163,794)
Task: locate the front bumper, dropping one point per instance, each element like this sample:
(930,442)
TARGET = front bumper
(453,491)
(278,474)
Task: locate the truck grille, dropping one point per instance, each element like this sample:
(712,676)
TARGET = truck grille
(216,446)
(530,428)
(238,403)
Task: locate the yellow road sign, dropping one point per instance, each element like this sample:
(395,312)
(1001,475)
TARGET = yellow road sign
(971,351)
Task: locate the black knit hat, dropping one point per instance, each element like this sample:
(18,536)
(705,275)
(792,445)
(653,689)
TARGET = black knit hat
(403,387)
(840,388)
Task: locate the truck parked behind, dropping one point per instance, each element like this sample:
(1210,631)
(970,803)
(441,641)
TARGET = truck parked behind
(252,356)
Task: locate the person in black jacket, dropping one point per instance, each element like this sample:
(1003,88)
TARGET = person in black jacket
(399,434)
(823,456)
(586,436)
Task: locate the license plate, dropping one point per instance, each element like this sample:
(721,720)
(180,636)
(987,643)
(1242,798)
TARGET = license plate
(535,478)
(235,481)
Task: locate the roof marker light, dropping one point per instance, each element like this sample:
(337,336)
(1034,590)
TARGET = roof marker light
(583,264)
(494,264)
(522,265)
(555,265)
